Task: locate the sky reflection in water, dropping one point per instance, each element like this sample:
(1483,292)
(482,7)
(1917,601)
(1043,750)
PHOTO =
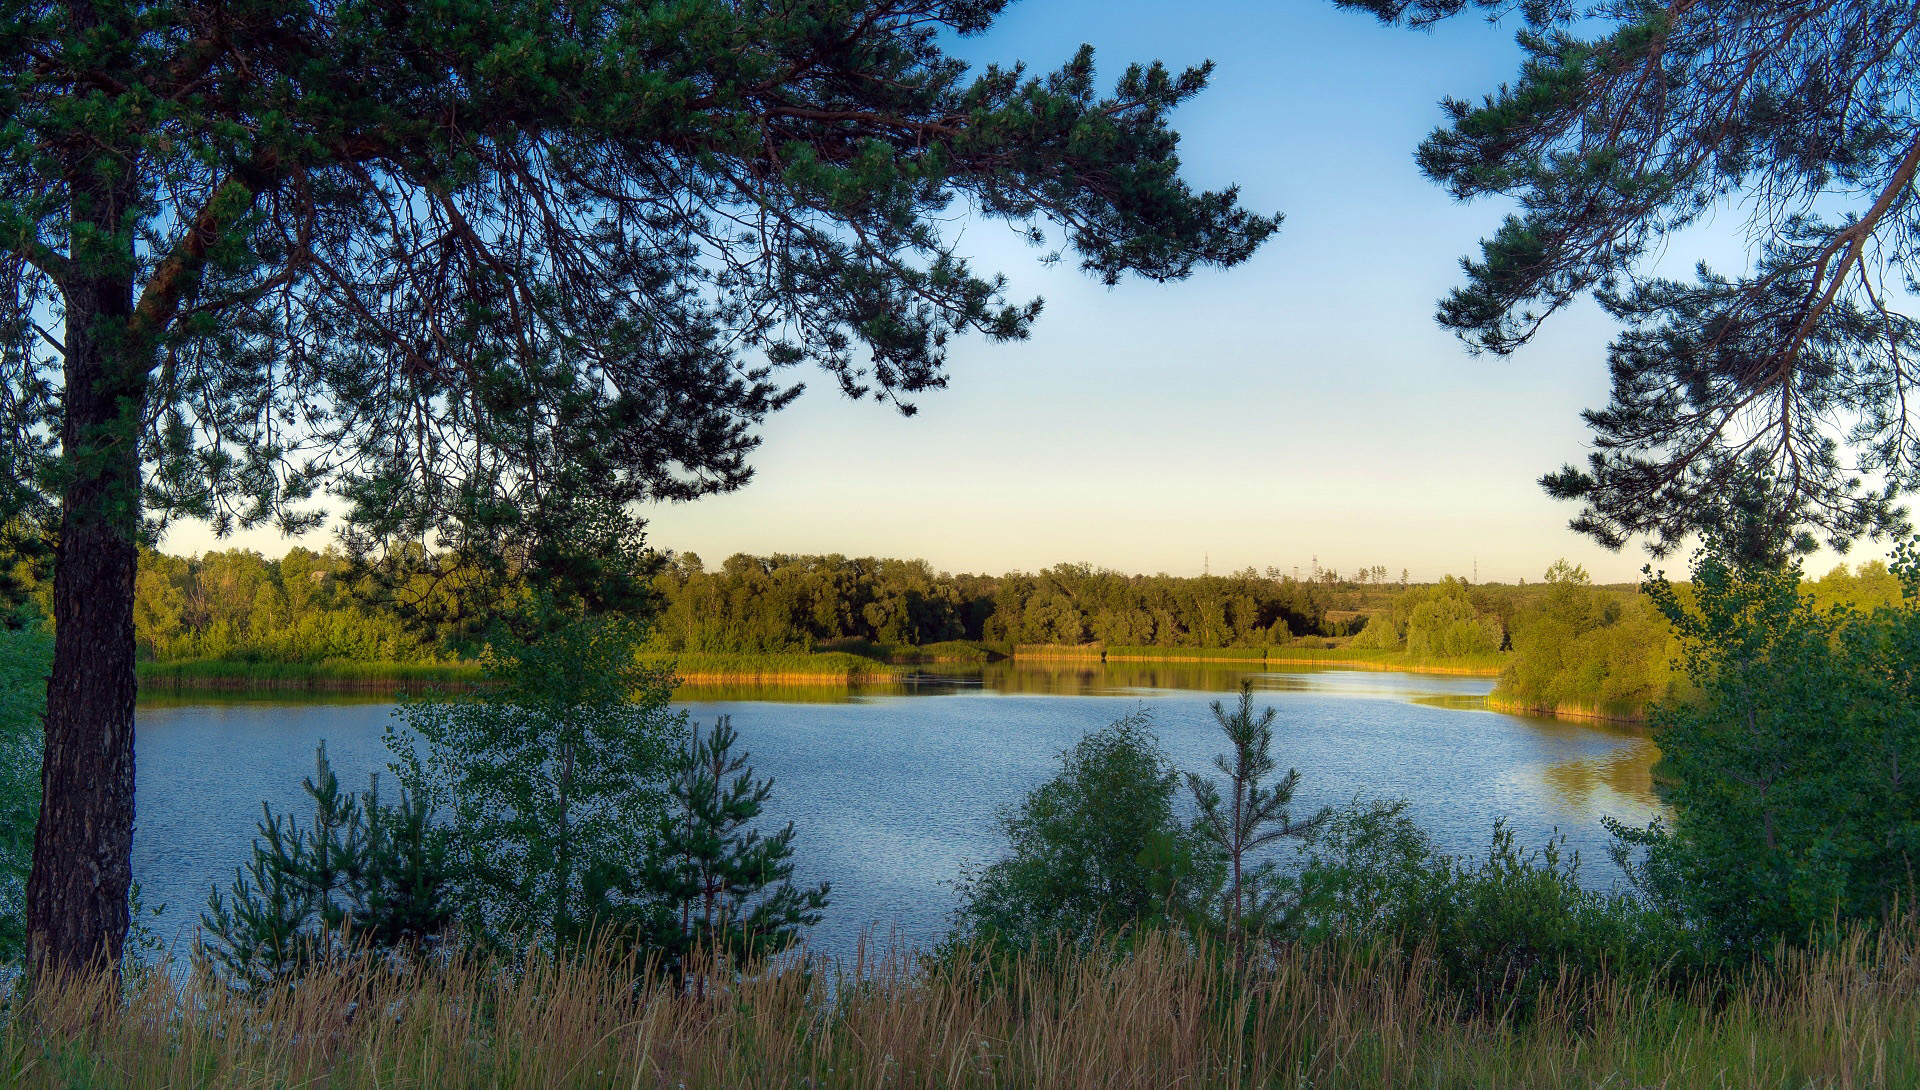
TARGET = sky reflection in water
(895,788)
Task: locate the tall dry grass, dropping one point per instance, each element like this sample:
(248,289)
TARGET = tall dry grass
(1157,1016)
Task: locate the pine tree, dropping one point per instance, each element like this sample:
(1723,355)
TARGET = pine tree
(463,263)
(1251,817)
(1777,400)
(362,877)
(717,886)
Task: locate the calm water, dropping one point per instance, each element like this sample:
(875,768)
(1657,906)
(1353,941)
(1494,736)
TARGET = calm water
(895,790)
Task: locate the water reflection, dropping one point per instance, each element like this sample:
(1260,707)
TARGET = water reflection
(1074,677)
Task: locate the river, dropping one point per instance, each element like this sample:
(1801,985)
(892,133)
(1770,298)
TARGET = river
(895,789)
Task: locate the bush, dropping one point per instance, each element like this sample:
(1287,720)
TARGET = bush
(552,778)
(1096,849)
(1498,929)
(1795,804)
(1579,647)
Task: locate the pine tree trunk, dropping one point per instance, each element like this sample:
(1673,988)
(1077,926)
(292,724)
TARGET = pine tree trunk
(77,913)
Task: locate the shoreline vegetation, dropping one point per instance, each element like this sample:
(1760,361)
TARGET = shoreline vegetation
(825,667)
(1561,647)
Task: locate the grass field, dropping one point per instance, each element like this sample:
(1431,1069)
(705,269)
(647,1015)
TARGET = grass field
(1319,1018)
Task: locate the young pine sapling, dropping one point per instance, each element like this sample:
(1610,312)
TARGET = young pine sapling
(1252,814)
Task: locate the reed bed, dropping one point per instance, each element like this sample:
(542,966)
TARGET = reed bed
(828,666)
(1160,1015)
(337,674)
(1059,651)
(1360,658)
(1251,655)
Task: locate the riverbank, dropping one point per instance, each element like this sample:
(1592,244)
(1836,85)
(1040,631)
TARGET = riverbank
(823,668)
(1349,658)
(328,676)
(820,667)
(889,665)
(1588,713)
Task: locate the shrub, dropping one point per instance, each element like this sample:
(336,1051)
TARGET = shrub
(1498,929)
(1445,624)
(1097,848)
(1795,804)
(1381,634)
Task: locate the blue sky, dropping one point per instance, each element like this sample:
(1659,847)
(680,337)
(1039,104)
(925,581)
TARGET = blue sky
(1302,406)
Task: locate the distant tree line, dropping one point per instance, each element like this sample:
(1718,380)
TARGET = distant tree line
(310,606)
(787,603)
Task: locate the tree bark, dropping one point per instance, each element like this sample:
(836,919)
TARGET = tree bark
(77,912)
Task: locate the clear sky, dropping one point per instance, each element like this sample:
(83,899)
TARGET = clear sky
(1302,405)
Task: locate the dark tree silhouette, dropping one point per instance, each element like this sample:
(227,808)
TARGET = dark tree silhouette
(480,266)
(1773,404)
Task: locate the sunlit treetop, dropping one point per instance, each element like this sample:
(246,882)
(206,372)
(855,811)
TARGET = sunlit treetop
(1783,391)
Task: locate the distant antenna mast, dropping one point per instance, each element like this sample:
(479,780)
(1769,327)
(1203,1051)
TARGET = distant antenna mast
(1206,563)
(1476,570)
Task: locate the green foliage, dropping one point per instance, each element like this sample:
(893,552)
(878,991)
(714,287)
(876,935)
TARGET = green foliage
(550,781)
(785,603)
(1795,807)
(713,885)
(310,615)
(1498,929)
(1776,402)
(25,656)
(305,607)
(1381,634)
(1578,648)
(1443,623)
(953,651)
(26,568)
(1865,588)
(364,877)
(1242,827)
(1098,848)
(641,215)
